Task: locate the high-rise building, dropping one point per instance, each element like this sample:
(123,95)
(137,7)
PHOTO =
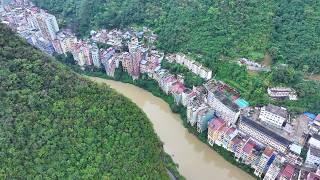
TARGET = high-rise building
(46,23)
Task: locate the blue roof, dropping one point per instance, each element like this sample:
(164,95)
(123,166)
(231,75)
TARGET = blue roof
(310,115)
(241,103)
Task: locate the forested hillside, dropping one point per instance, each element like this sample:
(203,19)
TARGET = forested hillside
(57,125)
(289,30)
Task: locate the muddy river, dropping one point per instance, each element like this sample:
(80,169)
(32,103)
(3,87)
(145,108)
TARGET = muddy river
(195,159)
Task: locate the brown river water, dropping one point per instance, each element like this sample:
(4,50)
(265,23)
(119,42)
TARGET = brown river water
(195,159)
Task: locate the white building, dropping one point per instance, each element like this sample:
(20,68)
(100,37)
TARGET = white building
(274,115)
(315,141)
(205,73)
(313,157)
(282,93)
(224,107)
(187,96)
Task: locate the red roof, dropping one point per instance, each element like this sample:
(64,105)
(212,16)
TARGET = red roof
(216,124)
(268,151)
(178,87)
(288,171)
(224,129)
(317,117)
(230,130)
(248,147)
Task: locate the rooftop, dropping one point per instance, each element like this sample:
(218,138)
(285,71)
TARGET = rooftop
(226,101)
(248,147)
(268,151)
(277,110)
(216,124)
(230,130)
(210,85)
(281,89)
(265,131)
(178,87)
(316,136)
(236,140)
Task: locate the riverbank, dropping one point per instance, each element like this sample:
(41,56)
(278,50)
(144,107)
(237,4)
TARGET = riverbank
(195,159)
(151,86)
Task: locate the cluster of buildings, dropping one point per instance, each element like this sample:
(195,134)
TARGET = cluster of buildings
(38,27)
(258,137)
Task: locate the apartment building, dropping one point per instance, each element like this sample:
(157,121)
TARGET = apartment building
(313,157)
(47,24)
(282,93)
(263,134)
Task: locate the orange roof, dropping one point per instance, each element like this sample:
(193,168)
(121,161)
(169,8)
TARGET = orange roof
(268,151)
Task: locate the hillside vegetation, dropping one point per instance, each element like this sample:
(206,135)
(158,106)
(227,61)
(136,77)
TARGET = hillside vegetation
(289,30)
(57,125)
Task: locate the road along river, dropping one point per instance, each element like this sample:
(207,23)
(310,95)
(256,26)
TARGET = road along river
(195,159)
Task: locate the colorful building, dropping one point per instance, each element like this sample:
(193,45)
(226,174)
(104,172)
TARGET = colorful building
(215,127)
(287,172)
(264,162)
(204,118)
(274,169)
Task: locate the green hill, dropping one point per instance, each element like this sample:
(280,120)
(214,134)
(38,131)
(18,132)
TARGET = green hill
(286,29)
(55,124)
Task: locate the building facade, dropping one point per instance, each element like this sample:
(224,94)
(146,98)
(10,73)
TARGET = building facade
(95,55)
(313,156)
(273,115)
